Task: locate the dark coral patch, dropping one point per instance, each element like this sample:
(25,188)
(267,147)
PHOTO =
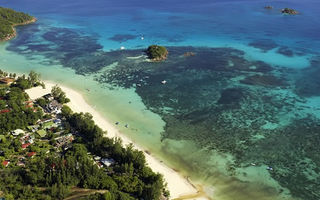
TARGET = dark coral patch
(308,83)
(263,44)
(122,37)
(285,51)
(231,96)
(264,80)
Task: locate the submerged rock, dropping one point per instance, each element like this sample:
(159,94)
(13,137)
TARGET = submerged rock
(264,80)
(289,11)
(285,51)
(231,96)
(263,44)
(268,7)
(188,54)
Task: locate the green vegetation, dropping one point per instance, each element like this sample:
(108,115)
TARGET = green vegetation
(157,53)
(59,95)
(14,112)
(10,18)
(131,175)
(32,80)
(46,162)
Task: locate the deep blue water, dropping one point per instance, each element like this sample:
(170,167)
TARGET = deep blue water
(185,22)
(254,96)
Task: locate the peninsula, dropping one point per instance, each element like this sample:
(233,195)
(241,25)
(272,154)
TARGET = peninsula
(9,19)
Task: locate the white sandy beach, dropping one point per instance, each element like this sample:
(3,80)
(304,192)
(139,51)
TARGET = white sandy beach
(177,184)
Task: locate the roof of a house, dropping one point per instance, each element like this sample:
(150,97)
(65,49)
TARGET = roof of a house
(6,80)
(5,163)
(42,133)
(5,111)
(55,104)
(48,124)
(18,131)
(107,161)
(47,95)
(30,154)
(25,145)
(20,164)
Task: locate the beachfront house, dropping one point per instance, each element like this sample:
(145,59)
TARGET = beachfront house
(48,97)
(6,81)
(17,132)
(54,107)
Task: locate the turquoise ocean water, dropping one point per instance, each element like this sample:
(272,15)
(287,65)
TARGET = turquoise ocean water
(240,116)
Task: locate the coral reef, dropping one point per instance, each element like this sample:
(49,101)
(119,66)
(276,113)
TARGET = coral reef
(122,37)
(217,99)
(264,44)
(264,80)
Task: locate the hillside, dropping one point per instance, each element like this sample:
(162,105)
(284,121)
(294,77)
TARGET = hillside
(10,18)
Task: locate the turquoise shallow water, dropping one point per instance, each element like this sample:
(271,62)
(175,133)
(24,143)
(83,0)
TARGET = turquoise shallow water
(247,101)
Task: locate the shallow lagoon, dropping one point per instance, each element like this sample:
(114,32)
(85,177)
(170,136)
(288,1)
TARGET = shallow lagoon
(246,101)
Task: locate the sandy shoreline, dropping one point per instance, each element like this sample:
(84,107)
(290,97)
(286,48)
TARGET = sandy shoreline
(178,186)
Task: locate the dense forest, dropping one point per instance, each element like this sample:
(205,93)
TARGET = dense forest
(51,172)
(8,18)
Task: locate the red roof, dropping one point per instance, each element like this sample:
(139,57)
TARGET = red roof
(25,145)
(5,163)
(30,154)
(4,111)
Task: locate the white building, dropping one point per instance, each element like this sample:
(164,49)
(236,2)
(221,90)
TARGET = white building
(54,107)
(107,161)
(17,132)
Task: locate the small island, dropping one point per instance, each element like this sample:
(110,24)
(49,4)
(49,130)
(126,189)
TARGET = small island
(157,53)
(289,11)
(9,19)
